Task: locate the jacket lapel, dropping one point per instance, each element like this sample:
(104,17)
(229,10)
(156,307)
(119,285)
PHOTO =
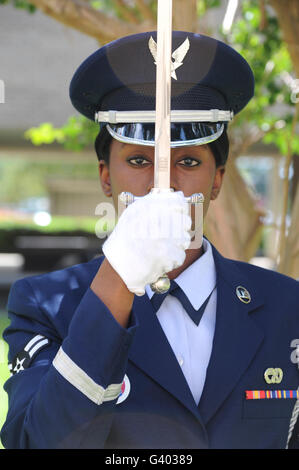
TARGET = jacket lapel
(236,340)
(152,353)
(237,337)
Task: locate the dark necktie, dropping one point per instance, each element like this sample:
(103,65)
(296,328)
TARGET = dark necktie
(177,292)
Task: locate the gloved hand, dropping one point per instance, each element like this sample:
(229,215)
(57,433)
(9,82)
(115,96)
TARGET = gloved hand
(150,239)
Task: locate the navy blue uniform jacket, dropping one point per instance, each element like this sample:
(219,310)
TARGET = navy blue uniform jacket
(59,310)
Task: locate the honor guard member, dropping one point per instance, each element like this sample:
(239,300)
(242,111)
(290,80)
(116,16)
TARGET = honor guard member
(98,360)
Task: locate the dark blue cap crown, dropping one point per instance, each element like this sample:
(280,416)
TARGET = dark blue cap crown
(207,74)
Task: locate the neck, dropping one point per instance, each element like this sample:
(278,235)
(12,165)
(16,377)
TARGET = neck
(191,256)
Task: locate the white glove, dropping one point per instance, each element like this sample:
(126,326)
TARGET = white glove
(150,239)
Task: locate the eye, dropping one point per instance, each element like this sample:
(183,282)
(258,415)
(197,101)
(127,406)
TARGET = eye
(189,162)
(138,160)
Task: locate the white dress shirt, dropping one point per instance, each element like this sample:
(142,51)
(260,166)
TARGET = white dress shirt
(192,344)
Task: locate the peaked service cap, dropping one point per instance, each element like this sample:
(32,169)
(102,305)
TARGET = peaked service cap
(207,74)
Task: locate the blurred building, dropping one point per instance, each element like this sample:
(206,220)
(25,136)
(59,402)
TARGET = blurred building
(38,57)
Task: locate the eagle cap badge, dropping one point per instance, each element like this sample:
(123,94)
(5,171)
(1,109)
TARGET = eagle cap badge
(178,55)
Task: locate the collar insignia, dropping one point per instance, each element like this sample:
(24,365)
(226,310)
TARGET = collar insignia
(243,294)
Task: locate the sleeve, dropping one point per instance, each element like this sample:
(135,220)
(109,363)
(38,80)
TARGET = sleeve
(65,389)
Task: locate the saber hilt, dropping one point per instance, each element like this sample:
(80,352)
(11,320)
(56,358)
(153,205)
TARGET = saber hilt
(127,198)
(162,285)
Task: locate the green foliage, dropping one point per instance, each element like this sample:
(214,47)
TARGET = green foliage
(4,371)
(282,138)
(100,4)
(204,5)
(20,4)
(112,7)
(58,224)
(76,134)
(106,6)
(91,227)
(271,110)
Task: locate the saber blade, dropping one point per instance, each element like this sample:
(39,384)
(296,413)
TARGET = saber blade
(163,108)
(162,125)
(163,95)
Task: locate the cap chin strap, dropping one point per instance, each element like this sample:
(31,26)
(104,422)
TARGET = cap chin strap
(124,117)
(179,143)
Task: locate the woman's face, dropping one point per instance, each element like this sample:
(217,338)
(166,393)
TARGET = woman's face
(131,168)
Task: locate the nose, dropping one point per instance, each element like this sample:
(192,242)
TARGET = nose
(173,183)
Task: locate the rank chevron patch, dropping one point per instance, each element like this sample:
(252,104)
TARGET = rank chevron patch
(24,358)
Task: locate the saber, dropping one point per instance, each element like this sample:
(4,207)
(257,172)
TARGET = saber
(163,121)
(163,96)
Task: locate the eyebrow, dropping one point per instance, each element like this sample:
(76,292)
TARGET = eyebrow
(124,144)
